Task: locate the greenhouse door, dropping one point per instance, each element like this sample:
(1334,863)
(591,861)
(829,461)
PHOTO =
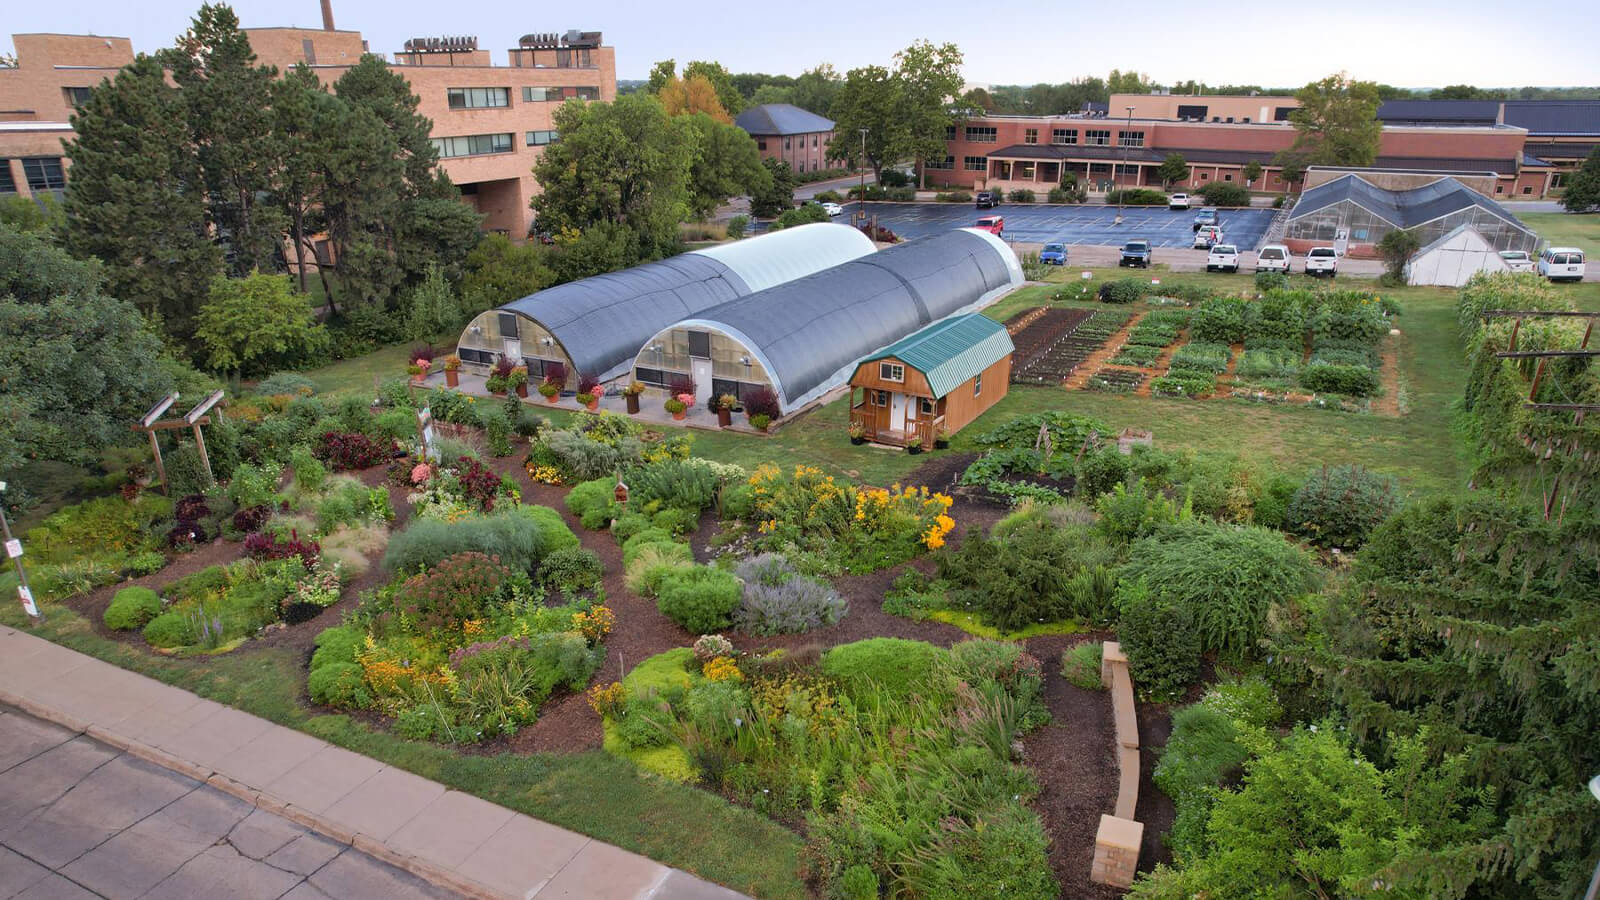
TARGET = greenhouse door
(700,371)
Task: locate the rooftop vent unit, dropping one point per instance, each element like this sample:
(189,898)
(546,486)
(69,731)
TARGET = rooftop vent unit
(442,44)
(550,40)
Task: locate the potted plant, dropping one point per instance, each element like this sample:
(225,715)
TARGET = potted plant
(761,402)
(555,375)
(631,395)
(499,380)
(549,390)
(725,405)
(941,439)
(858,433)
(589,391)
(913,448)
(760,421)
(452,370)
(678,408)
(418,370)
(518,379)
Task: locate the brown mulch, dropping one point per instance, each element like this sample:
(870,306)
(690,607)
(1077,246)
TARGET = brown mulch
(1387,403)
(1100,358)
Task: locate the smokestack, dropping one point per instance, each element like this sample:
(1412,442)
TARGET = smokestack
(327,15)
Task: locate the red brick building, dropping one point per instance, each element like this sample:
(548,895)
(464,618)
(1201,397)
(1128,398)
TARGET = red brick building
(790,134)
(1526,145)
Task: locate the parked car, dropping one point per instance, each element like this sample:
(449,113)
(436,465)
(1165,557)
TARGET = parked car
(1135,253)
(991,224)
(1207,235)
(1053,255)
(1561,264)
(1222,258)
(833,209)
(988,199)
(1517,260)
(1206,216)
(1322,261)
(1178,201)
(1273,258)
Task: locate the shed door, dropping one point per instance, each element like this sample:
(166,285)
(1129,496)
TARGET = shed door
(897,411)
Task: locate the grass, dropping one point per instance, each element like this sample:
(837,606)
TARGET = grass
(591,793)
(971,624)
(1567,229)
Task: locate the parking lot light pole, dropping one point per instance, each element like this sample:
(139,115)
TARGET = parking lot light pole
(861,201)
(1114,187)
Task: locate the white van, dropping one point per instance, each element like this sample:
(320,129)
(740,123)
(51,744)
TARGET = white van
(1273,258)
(1561,264)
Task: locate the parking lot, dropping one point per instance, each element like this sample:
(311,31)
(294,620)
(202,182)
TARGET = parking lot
(1069,224)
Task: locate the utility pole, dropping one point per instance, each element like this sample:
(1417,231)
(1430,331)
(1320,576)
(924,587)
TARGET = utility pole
(14,552)
(861,201)
(1114,187)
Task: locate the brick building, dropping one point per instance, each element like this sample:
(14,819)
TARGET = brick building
(1524,145)
(490,122)
(790,134)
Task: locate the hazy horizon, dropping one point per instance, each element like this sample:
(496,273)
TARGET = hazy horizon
(1372,41)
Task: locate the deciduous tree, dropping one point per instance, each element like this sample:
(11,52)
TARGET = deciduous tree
(692,94)
(870,99)
(717,76)
(1336,123)
(257,324)
(726,164)
(929,77)
(1172,169)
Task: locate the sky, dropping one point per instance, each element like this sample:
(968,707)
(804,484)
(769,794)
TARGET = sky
(1412,43)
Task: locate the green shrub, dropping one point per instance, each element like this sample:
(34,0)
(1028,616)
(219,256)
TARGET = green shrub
(337,645)
(1182,383)
(858,882)
(131,608)
(1219,320)
(1270,363)
(1357,381)
(1122,290)
(673,482)
(893,664)
(593,502)
(1135,197)
(557,536)
(290,383)
(1021,195)
(1024,574)
(339,684)
(1224,193)
(699,598)
(1339,506)
(516,538)
(1271,281)
(737,226)
(571,571)
(676,521)
(1201,357)
(309,472)
(1080,666)
(1100,471)
(627,525)
(1132,510)
(1161,641)
(253,485)
(953,197)
(1225,577)
(632,546)
(170,629)
(654,562)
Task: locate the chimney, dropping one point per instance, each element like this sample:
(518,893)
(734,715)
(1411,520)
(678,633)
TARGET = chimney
(327,15)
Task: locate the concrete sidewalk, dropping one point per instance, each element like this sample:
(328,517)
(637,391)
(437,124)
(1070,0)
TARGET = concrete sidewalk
(453,840)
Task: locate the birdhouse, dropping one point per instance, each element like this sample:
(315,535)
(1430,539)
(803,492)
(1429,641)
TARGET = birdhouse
(621,493)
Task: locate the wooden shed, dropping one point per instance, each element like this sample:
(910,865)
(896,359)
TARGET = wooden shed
(934,381)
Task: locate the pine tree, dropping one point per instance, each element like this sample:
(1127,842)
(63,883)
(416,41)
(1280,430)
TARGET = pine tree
(136,199)
(302,110)
(228,98)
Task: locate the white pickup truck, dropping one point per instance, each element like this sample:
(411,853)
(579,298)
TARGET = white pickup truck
(1222,258)
(1322,261)
(1273,258)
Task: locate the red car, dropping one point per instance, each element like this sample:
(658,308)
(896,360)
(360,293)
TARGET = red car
(992,224)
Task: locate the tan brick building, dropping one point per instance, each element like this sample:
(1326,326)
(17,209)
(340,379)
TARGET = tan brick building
(490,122)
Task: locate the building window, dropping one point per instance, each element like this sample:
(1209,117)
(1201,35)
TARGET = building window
(1121,169)
(1192,112)
(977,384)
(813,142)
(555,94)
(1281,113)
(975,163)
(1130,139)
(982,134)
(761,145)
(473,145)
(1099,168)
(574,59)
(1499,189)
(949,162)
(76,96)
(540,138)
(479,98)
(1228,176)
(44,173)
(1097,138)
(1527,190)
(8,184)
(1064,136)
(788,143)
(949,132)
(891,372)
(1030,136)
(1205,176)
(927,406)
(1559,179)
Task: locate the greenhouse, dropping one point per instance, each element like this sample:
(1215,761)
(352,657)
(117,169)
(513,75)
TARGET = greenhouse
(596,326)
(1364,213)
(803,338)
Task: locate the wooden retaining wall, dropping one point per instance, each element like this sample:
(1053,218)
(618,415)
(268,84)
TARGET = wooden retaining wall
(1116,843)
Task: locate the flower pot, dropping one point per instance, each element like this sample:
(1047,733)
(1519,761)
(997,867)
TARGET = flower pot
(452,378)
(941,445)
(498,393)
(724,417)
(633,404)
(522,391)
(418,379)
(914,449)
(858,441)
(681,415)
(593,404)
(552,398)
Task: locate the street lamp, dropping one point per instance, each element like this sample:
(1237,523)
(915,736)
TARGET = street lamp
(861,201)
(1594,883)
(1124,166)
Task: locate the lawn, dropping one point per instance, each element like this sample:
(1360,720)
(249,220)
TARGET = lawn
(1563,229)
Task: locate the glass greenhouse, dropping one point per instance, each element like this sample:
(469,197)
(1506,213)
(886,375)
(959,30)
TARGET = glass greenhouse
(1369,212)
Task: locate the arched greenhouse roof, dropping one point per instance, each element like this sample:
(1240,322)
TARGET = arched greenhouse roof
(601,322)
(809,333)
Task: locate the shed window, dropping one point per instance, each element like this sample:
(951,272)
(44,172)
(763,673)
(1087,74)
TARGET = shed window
(977,384)
(891,372)
(881,398)
(927,406)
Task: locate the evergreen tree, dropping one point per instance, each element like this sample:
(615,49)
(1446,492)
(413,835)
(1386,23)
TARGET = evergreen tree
(229,102)
(302,114)
(136,199)
(1583,186)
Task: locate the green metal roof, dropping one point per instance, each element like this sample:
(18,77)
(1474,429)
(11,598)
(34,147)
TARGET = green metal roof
(950,352)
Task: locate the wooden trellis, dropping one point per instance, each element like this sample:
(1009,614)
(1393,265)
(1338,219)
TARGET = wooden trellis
(1544,356)
(193,419)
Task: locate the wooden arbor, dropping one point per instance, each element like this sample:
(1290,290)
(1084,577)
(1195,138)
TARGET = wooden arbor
(152,423)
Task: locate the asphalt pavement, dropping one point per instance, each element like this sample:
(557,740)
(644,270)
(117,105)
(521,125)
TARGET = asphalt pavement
(1091,225)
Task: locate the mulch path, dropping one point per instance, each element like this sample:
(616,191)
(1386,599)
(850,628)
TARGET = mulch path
(1387,403)
(1072,758)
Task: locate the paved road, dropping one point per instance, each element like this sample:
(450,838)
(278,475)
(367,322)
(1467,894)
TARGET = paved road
(79,819)
(1038,224)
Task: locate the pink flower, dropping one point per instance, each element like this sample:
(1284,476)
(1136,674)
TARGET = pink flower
(686,399)
(424,364)
(420,473)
